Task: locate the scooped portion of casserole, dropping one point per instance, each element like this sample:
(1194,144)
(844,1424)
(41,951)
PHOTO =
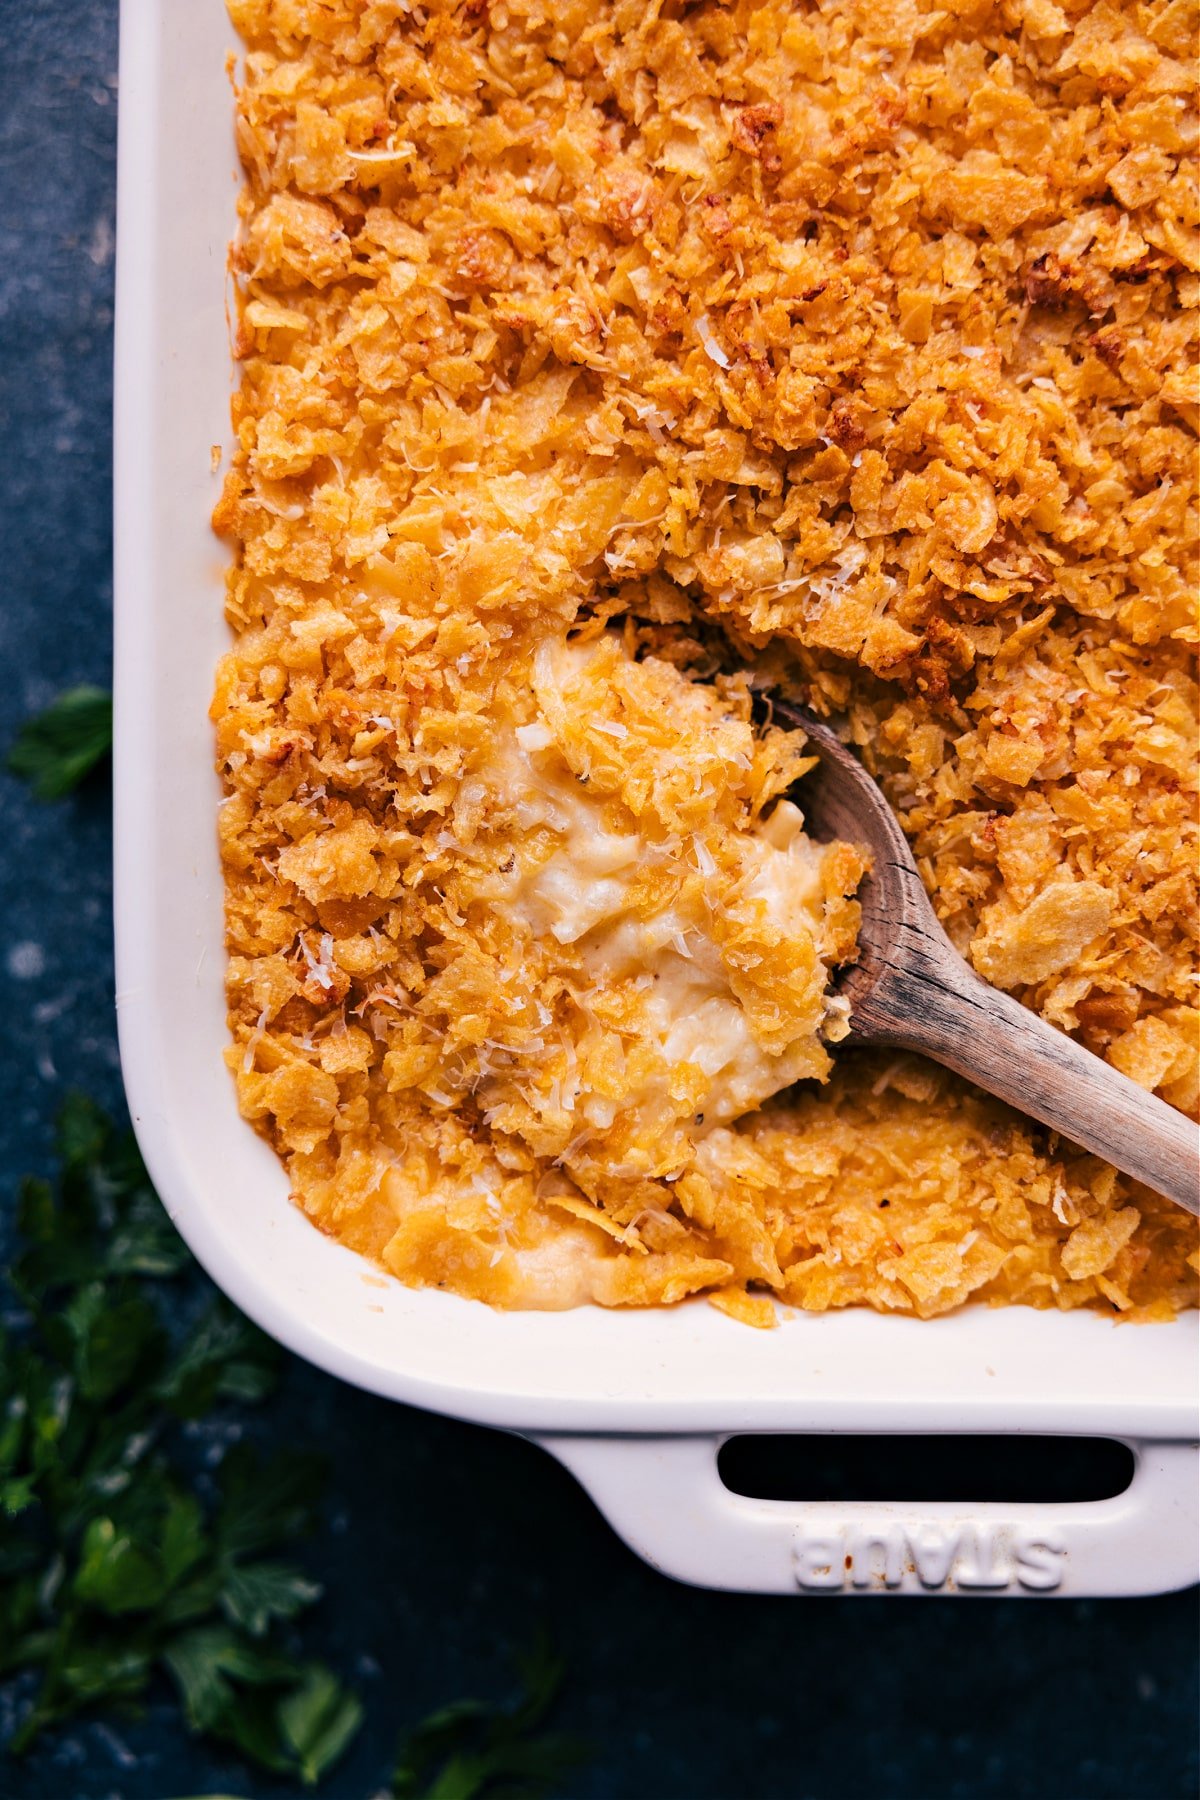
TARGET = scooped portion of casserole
(592,355)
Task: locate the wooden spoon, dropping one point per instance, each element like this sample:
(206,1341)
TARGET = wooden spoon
(910,987)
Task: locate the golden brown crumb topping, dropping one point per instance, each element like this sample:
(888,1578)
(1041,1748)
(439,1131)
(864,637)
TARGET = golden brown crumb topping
(855,343)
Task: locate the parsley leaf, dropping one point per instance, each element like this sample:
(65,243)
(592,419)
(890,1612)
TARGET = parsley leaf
(55,750)
(318,1721)
(475,1747)
(256,1593)
(289,1719)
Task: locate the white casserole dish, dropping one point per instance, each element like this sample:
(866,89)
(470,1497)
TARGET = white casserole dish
(635,1403)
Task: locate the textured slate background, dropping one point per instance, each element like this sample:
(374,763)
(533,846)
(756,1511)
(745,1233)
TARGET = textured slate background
(445,1543)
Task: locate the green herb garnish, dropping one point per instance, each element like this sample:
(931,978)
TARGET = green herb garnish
(475,1747)
(121,1563)
(116,1563)
(55,750)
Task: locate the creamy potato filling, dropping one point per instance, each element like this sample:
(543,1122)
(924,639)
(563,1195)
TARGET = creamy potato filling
(679,940)
(673,935)
(679,937)
(585,895)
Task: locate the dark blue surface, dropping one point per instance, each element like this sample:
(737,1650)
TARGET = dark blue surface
(446,1544)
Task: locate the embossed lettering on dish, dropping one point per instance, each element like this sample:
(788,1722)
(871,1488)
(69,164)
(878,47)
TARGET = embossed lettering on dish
(930,1557)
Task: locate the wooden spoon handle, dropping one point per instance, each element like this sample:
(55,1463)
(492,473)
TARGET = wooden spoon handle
(933,1002)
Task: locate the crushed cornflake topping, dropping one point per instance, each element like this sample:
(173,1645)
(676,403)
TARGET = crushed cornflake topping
(855,341)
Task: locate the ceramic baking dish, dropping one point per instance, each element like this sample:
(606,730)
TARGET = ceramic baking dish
(635,1403)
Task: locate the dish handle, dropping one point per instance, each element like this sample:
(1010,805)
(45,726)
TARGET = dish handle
(665,1497)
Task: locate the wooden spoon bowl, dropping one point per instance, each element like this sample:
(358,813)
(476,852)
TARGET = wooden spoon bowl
(911,988)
